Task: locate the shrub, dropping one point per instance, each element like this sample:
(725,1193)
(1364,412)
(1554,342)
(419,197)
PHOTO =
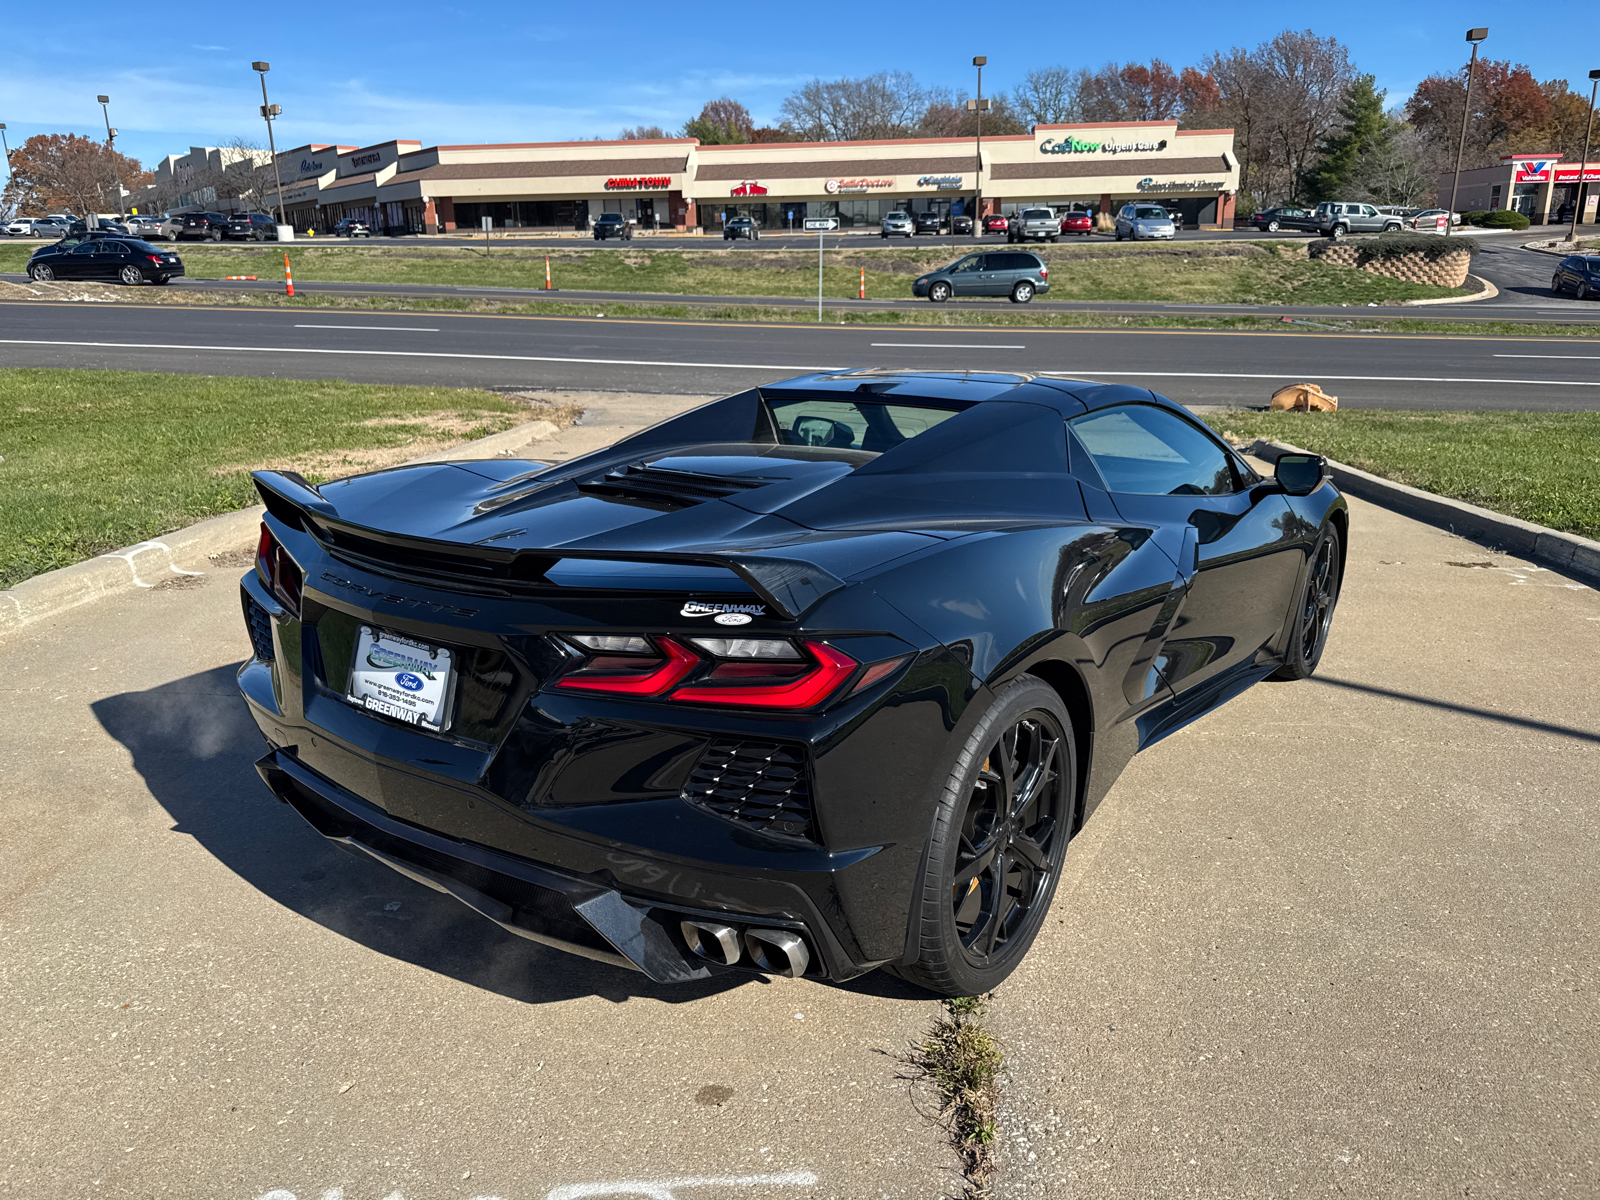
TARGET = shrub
(1505,218)
(1475,217)
(1397,245)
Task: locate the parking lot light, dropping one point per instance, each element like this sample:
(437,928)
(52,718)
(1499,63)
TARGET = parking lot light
(268,112)
(1474,36)
(980,61)
(111,145)
(1583,166)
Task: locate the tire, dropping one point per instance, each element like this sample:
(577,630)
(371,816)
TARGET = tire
(1022,292)
(1005,844)
(1555,285)
(1581,292)
(131,275)
(1395,228)
(939,291)
(1314,606)
(1119,235)
(1339,232)
(1053,237)
(1272,227)
(41,273)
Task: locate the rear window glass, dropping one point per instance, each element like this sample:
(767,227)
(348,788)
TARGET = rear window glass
(852,424)
(1149,213)
(1037,214)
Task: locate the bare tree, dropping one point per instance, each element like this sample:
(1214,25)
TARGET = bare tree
(249,175)
(1399,170)
(1051,96)
(642,133)
(889,104)
(1308,76)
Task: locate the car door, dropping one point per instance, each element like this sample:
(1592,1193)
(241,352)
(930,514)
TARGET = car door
(966,276)
(1237,546)
(77,263)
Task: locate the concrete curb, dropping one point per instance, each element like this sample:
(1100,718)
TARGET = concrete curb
(1565,552)
(186,551)
(1488,292)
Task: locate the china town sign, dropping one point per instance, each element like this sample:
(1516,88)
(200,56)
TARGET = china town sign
(635,183)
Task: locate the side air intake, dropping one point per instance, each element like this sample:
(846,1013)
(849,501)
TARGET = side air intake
(763,785)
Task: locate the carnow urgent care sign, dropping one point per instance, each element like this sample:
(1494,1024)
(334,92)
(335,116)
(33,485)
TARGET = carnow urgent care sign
(1072,145)
(638,183)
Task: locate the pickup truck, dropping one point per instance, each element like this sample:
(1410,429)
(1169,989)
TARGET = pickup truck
(1034,224)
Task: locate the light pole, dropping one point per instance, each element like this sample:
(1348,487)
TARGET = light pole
(1583,173)
(977,106)
(268,111)
(1474,36)
(111,148)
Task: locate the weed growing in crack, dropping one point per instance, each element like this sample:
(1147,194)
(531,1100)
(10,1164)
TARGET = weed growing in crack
(961,1059)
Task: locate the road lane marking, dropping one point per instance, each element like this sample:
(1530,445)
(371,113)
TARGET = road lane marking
(1585,357)
(1085,375)
(387,328)
(545,358)
(951,345)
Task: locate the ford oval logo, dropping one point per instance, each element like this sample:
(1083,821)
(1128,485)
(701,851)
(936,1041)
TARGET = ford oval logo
(408,681)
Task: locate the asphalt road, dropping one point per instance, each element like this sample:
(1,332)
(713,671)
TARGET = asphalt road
(1195,367)
(1334,939)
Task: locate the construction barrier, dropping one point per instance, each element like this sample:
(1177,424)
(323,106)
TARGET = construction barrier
(288,277)
(244,278)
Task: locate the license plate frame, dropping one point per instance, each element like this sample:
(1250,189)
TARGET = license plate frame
(402,678)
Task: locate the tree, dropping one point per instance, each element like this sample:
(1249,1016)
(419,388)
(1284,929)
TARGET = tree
(949,118)
(722,122)
(1051,96)
(1509,110)
(770,133)
(1342,151)
(56,171)
(889,104)
(643,133)
(1199,97)
(1398,169)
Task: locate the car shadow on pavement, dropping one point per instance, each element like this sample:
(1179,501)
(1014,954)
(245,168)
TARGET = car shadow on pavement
(195,744)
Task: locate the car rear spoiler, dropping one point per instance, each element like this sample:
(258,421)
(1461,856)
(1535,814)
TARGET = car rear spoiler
(789,586)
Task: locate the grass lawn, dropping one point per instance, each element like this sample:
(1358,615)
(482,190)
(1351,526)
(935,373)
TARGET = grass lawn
(1541,467)
(97,460)
(1182,272)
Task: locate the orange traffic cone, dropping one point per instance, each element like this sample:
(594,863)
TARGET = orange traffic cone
(863,283)
(288,277)
(547,273)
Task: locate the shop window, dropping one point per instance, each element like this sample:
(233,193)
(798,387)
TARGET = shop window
(1494,197)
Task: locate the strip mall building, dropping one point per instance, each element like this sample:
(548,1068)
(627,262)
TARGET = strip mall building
(678,183)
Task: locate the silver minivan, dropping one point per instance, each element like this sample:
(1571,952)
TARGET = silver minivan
(1139,221)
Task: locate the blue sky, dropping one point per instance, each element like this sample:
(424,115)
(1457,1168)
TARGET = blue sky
(445,73)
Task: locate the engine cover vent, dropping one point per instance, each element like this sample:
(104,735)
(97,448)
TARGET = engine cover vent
(763,785)
(659,487)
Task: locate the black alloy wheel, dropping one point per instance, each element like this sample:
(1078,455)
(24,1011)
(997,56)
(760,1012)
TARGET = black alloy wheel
(1022,293)
(939,291)
(40,273)
(1313,617)
(1000,834)
(131,275)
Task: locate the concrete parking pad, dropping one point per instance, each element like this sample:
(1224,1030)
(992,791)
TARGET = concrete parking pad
(1338,938)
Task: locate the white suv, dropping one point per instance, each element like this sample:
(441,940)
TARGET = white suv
(899,224)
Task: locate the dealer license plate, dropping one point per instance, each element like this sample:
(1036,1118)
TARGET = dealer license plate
(400,678)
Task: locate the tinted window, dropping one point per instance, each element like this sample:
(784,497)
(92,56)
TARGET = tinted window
(84,249)
(851,424)
(1148,452)
(1013,262)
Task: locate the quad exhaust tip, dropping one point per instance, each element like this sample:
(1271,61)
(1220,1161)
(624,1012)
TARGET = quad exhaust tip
(774,951)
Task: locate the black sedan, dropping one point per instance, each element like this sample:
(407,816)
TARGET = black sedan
(961,225)
(105,258)
(1578,274)
(817,678)
(1271,220)
(741,227)
(350,228)
(929,222)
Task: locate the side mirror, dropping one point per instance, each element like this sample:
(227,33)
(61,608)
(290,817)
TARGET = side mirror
(1300,474)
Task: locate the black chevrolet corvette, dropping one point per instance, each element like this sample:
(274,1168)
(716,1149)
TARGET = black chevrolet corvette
(813,679)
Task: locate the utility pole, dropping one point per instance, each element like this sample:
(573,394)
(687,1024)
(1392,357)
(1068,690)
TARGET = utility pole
(977,108)
(1474,36)
(111,147)
(1588,128)
(268,112)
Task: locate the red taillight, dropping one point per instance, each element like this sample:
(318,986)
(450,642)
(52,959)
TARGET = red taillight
(830,669)
(155,258)
(1044,272)
(278,571)
(649,677)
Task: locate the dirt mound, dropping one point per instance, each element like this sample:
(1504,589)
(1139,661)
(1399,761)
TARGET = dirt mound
(98,292)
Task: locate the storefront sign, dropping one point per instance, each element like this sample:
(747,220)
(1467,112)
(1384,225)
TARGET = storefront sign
(634,183)
(1180,185)
(308,165)
(1074,145)
(749,188)
(1535,170)
(367,160)
(1589,171)
(835,186)
(941,181)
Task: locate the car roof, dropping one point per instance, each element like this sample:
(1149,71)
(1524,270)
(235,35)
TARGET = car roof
(1063,393)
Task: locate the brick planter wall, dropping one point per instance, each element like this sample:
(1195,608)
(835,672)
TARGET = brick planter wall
(1449,270)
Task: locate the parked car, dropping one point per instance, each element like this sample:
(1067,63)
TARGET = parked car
(1336,218)
(107,258)
(254,227)
(1271,220)
(741,227)
(961,224)
(1034,224)
(22,226)
(1136,222)
(1580,273)
(1077,221)
(929,222)
(612,225)
(1018,274)
(203,226)
(899,224)
(51,227)
(1428,219)
(144,226)
(850,751)
(349,227)
(996,223)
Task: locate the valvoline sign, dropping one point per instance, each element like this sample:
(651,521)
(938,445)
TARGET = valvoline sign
(1532,170)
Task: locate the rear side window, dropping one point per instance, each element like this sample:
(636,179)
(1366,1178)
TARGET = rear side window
(1146,451)
(1014,262)
(852,424)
